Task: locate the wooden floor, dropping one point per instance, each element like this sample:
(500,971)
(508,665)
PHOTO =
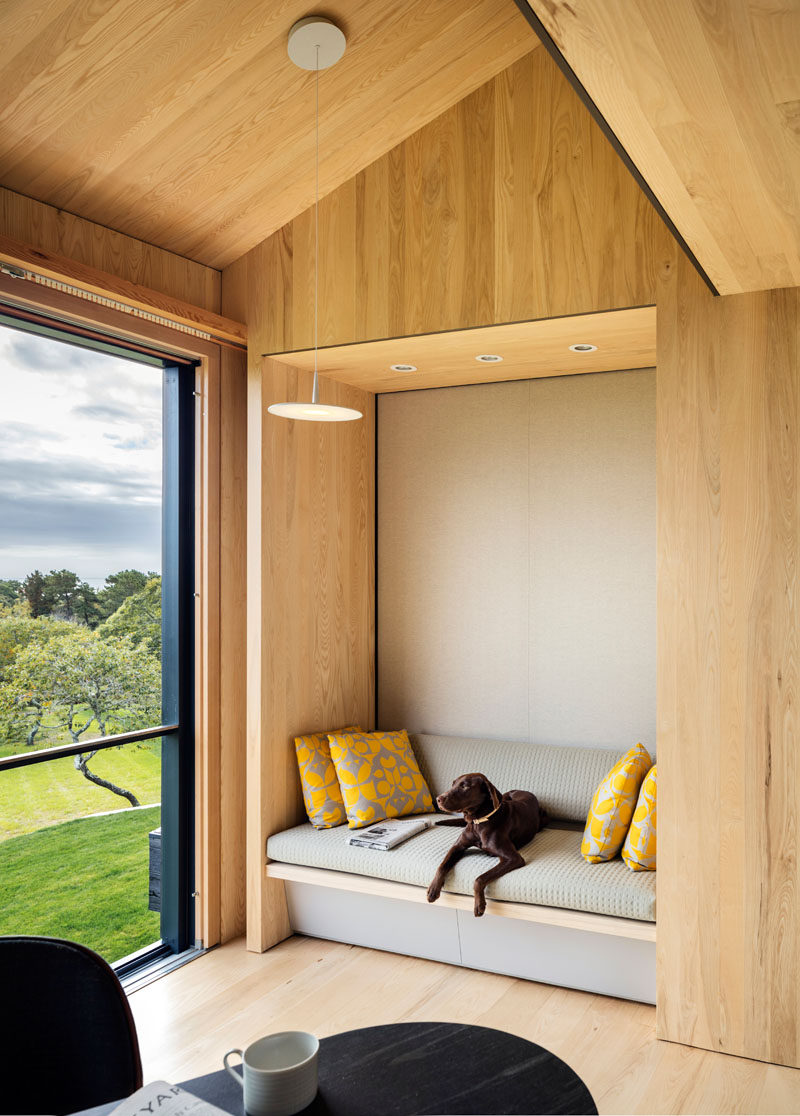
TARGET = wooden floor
(188,1019)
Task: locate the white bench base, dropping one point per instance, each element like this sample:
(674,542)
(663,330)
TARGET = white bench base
(572,949)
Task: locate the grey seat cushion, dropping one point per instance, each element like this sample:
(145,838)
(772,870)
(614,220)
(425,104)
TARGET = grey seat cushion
(564,779)
(555,873)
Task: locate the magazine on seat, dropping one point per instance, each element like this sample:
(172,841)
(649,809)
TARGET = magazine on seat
(385,835)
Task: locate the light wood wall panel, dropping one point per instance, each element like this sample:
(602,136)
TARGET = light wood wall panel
(55,230)
(729,668)
(705,98)
(310,604)
(233,620)
(233,625)
(510,205)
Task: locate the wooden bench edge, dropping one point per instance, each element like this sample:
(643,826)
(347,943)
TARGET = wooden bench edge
(552,916)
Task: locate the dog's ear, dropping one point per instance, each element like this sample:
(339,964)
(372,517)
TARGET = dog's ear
(493,792)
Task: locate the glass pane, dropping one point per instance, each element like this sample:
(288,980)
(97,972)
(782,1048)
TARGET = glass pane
(75,858)
(80,630)
(80,547)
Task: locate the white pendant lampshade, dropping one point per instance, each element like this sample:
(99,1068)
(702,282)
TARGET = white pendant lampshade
(314,412)
(315,43)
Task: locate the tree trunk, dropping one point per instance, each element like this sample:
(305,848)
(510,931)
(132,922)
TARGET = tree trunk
(37,724)
(81,764)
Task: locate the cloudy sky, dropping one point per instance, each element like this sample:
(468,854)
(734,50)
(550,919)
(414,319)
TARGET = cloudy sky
(80,460)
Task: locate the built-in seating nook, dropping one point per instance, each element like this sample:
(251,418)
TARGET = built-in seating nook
(478,335)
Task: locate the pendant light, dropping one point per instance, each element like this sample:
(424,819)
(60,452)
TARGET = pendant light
(315,43)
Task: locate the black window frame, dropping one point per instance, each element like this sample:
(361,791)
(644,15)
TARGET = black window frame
(177,728)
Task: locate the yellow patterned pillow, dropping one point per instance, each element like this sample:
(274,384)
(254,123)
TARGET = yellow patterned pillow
(379,776)
(639,850)
(612,806)
(321,793)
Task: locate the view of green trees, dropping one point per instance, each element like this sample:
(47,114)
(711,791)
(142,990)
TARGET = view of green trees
(81,456)
(77,664)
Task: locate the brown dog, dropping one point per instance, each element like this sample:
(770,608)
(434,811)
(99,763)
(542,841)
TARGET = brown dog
(497,824)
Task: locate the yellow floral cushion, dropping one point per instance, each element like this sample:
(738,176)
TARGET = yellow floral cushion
(639,850)
(612,806)
(379,776)
(321,794)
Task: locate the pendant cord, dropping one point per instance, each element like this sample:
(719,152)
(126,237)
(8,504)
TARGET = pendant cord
(314,390)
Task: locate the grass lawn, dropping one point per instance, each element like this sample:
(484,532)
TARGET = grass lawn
(46,793)
(86,880)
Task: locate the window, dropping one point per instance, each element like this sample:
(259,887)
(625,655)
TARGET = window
(96,641)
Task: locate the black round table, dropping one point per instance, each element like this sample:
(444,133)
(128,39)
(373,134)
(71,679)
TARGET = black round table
(414,1069)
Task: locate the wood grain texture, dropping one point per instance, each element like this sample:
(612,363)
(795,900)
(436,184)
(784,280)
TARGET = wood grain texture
(51,230)
(528,912)
(625,339)
(233,619)
(510,205)
(121,290)
(187,1020)
(186,124)
(310,604)
(233,646)
(417,242)
(688,682)
(729,547)
(705,98)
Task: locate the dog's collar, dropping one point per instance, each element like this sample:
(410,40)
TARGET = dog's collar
(477,821)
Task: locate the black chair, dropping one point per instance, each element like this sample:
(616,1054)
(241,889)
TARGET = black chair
(67,1036)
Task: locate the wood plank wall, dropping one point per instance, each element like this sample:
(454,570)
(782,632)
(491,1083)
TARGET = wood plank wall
(55,230)
(309,584)
(310,595)
(729,668)
(233,622)
(511,205)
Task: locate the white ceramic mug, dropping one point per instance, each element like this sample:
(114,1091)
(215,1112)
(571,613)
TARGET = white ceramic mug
(279,1073)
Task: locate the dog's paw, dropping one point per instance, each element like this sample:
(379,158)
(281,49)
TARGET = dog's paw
(480,905)
(434,891)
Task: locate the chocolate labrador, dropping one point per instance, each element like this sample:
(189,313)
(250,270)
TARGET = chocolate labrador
(497,824)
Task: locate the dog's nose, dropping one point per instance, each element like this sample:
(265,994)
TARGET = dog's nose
(439,802)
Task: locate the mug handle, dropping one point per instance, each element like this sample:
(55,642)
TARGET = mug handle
(237,1077)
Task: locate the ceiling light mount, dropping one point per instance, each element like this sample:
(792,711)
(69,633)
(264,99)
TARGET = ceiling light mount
(583,347)
(403,367)
(315,43)
(489,358)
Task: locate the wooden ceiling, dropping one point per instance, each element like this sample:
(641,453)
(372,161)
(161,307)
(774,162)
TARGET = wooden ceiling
(704,96)
(183,122)
(624,339)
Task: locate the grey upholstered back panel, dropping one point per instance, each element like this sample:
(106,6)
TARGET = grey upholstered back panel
(517,560)
(564,779)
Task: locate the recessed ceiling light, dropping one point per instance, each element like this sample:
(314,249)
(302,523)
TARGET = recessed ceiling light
(403,367)
(583,348)
(489,358)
